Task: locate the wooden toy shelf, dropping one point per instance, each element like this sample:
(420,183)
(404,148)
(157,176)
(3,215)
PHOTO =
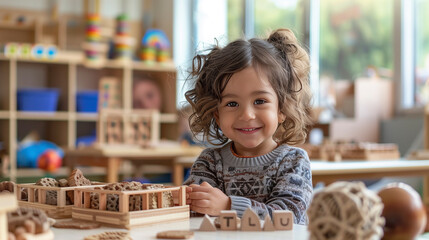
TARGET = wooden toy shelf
(68,74)
(125,218)
(61,210)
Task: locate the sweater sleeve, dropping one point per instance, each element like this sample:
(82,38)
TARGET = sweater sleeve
(292,190)
(204,170)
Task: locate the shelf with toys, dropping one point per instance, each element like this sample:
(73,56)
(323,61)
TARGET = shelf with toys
(68,76)
(68,58)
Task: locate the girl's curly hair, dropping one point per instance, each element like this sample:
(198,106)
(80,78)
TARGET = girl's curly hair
(280,57)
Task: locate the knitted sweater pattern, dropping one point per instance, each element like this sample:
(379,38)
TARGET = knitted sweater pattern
(278,180)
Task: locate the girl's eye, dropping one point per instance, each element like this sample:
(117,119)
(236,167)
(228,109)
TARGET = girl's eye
(232,104)
(260,101)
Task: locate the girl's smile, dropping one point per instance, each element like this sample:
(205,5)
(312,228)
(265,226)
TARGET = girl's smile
(248,130)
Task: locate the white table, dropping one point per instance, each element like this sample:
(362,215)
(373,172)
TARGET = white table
(299,232)
(329,172)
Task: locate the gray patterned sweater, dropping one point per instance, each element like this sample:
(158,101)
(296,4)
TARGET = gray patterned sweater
(278,180)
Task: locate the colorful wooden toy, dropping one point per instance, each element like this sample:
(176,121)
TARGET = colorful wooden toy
(123,42)
(155,46)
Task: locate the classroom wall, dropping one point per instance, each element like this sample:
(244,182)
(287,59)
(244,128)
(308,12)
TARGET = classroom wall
(406,131)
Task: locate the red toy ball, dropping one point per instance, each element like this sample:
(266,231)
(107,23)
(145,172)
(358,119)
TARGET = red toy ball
(49,161)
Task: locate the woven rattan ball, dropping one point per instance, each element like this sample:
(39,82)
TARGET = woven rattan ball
(345,210)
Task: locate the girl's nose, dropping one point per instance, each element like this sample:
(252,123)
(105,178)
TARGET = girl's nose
(247,113)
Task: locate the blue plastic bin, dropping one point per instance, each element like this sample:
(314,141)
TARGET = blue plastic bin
(34,99)
(85,140)
(87,101)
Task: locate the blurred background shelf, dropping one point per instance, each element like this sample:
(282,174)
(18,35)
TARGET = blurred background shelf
(64,126)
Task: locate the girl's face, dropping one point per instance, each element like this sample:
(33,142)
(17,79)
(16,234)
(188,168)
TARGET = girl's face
(248,113)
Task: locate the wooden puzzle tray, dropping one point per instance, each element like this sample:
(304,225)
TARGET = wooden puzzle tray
(62,209)
(124,218)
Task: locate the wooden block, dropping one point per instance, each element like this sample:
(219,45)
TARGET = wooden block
(30,194)
(182,196)
(8,202)
(228,220)
(283,219)
(207,225)
(268,224)
(102,201)
(159,199)
(250,221)
(124,203)
(87,200)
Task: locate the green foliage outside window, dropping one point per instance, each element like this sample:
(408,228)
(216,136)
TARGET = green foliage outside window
(355,35)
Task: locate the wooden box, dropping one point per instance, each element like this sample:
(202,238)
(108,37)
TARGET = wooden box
(61,210)
(125,218)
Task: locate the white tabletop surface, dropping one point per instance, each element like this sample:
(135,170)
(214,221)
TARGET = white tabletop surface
(149,232)
(322,167)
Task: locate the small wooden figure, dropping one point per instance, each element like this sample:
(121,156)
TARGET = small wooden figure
(268,224)
(250,221)
(228,220)
(283,219)
(7,203)
(207,225)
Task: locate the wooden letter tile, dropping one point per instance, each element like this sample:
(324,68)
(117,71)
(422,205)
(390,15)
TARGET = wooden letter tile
(228,220)
(250,221)
(207,225)
(268,224)
(283,220)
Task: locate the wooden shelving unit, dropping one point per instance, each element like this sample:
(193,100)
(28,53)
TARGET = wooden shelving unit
(68,74)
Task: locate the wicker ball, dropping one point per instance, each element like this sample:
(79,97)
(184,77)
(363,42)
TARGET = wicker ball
(345,210)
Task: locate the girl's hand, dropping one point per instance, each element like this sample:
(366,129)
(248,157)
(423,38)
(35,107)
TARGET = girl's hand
(206,199)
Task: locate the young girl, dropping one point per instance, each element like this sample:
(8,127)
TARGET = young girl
(252,97)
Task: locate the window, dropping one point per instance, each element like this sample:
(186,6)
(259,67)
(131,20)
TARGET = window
(355,36)
(347,39)
(273,14)
(258,17)
(421,53)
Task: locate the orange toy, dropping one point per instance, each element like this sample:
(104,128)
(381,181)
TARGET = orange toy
(49,161)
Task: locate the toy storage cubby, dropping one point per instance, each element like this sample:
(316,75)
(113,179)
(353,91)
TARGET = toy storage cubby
(39,75)
(49,130)
(169,117)
(85,129)
(68,75)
